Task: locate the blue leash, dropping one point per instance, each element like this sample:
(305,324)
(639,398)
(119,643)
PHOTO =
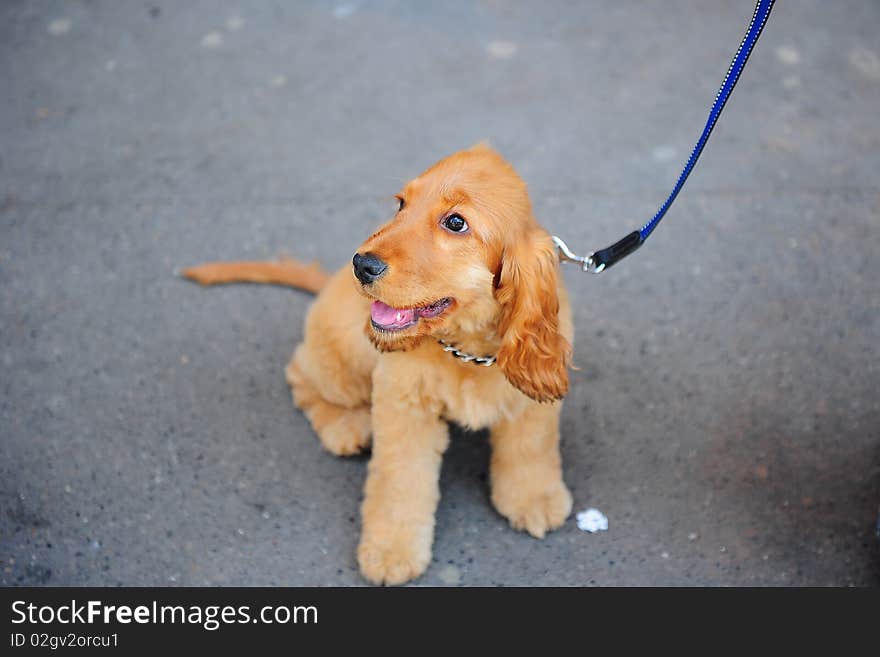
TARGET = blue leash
(601,260)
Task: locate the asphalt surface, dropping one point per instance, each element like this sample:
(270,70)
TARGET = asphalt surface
(725,417)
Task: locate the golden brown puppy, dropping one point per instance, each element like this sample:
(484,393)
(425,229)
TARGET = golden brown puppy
(464,263)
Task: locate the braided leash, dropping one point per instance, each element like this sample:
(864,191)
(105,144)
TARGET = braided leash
(599,261)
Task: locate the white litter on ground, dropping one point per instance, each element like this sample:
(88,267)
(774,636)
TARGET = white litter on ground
(592,520)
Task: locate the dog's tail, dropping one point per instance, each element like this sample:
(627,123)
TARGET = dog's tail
(284,271)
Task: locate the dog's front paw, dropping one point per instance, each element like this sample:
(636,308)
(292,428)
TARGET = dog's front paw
(536,506)
(393,561)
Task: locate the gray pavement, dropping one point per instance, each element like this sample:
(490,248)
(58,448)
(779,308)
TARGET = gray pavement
(725,417)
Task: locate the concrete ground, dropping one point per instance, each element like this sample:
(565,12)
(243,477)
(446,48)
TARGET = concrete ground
(725,417)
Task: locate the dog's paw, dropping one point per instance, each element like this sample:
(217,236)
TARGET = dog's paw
(535,509)
(348,434)
(393,563)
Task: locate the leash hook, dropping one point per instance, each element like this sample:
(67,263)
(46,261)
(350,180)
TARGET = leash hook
(587,262)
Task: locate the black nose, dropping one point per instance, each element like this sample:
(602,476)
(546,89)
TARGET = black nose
(368,267)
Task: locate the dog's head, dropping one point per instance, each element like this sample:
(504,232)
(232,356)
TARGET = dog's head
(464,257)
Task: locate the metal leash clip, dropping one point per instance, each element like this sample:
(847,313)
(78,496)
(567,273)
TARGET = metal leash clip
(587,262)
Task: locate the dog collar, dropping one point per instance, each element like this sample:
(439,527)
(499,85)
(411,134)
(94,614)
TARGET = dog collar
(485,361)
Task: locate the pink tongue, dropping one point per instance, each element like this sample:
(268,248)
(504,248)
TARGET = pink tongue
(385,315)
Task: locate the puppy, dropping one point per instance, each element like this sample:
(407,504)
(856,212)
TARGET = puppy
(453,310)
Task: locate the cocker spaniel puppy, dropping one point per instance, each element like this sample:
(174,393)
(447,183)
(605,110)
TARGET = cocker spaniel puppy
(453,310)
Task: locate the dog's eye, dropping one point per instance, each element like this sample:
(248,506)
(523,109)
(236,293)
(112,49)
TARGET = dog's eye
(455,223)
(400,203)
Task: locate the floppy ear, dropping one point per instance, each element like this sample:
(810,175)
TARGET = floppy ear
(533,354)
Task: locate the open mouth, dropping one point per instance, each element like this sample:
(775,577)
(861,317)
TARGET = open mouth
(386,318)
